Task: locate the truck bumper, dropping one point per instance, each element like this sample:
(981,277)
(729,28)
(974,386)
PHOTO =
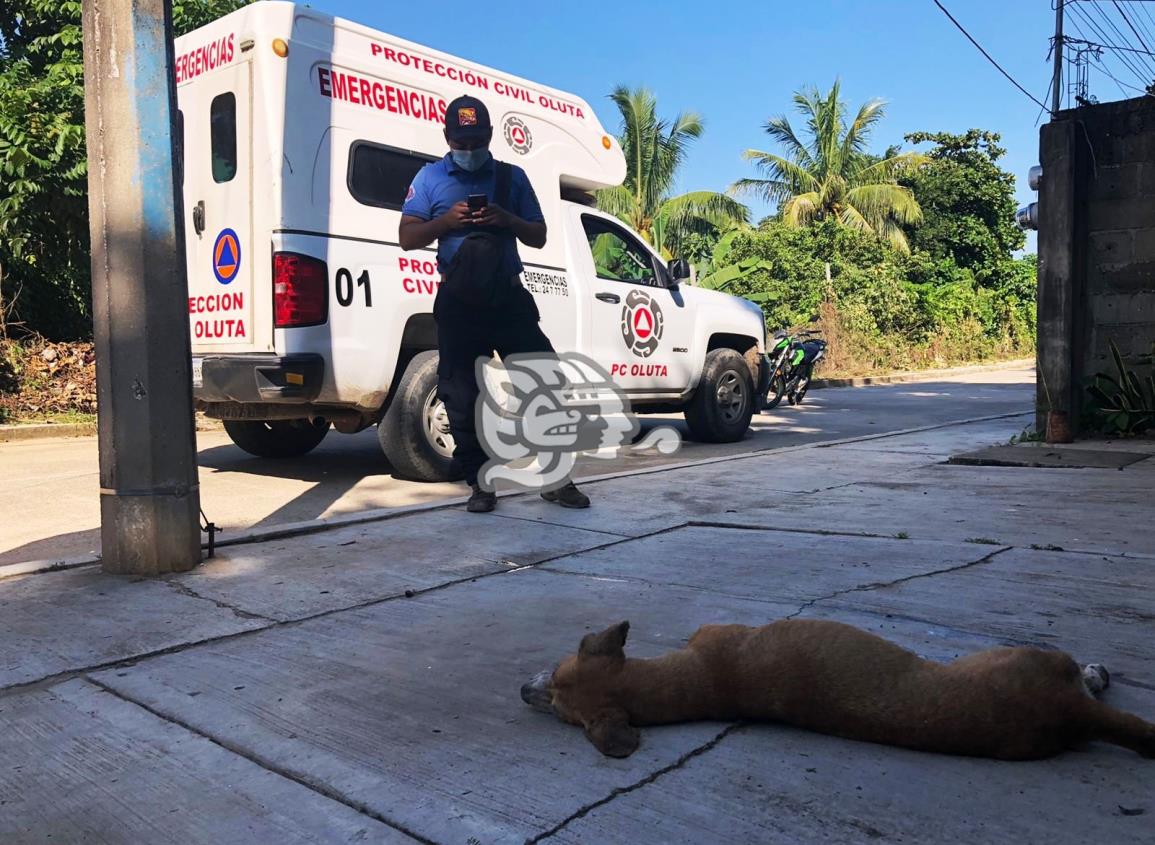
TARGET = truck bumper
(763,384)
(259,378)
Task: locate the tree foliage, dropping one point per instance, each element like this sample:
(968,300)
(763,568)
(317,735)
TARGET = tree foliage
(654,150)
(887,309)
(44,260)
(968,204)
(829,174)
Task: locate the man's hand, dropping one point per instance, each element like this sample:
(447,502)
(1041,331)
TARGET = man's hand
(458,217)
(415,233)
(530,234)
(493,215)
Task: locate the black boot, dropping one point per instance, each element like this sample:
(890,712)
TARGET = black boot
(481,501)
(568,496)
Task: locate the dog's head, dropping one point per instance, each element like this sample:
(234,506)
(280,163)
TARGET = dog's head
(584,690)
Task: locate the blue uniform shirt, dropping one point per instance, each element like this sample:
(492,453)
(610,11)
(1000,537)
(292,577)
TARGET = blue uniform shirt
(439,185)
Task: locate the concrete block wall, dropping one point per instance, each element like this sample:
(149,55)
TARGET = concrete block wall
(1096,246)
(1119,282)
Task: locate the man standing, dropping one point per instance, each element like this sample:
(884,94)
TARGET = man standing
(477,209)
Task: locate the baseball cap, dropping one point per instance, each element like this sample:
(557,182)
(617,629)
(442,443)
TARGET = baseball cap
(467,117)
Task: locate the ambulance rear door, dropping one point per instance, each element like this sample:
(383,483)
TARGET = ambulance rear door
(217,173)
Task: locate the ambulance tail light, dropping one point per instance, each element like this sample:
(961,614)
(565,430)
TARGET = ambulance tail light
(300,291)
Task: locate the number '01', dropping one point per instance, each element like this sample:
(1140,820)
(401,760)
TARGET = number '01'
(345,287)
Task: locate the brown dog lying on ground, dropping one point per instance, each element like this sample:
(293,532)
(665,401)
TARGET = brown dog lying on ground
(1007,703)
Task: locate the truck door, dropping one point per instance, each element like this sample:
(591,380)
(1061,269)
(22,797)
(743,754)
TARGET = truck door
(640,330)
(215,118)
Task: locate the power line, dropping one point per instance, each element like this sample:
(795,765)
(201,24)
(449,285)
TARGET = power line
(1107,46)
(1150,17)
(1105,41)
(1123,84)
(1143,62)
(1128,22)
(1147,70)
(988,56)
(1135,13)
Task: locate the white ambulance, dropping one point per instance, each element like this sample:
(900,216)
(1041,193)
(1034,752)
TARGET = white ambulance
(301,134)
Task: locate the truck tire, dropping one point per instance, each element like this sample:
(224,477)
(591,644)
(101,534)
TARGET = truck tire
(278,438)
(414,434)
(723,404)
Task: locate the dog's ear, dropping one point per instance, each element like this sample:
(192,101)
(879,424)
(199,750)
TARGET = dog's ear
(607,643)
(613,735)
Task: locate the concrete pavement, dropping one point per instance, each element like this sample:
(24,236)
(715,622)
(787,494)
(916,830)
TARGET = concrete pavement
(51,508)
(361,684)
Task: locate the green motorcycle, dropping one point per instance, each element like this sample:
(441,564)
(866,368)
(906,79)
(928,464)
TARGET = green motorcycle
(779,355)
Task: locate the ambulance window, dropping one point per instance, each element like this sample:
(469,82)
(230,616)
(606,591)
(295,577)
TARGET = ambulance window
(617,256)
(381,176)
(223,123)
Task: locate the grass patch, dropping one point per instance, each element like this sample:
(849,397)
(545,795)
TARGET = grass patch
(56,418)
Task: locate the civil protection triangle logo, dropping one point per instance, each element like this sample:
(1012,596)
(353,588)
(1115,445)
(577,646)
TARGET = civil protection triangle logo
(642,323)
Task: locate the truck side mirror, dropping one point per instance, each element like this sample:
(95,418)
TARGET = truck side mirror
(679,270)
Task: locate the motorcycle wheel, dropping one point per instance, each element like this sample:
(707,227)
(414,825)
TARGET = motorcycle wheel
(800,391)
(774,394)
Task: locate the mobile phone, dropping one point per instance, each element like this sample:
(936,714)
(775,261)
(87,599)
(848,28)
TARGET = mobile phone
(477,201)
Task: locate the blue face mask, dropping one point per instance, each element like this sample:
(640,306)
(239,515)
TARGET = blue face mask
(470,159)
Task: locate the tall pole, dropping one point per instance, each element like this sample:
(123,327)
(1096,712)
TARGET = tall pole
(1057,94)
(149,496)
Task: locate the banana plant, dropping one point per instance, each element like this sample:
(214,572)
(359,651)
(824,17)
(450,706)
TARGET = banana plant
(719,273)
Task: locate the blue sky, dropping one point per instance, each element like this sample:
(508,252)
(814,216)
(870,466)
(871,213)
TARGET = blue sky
(737,63)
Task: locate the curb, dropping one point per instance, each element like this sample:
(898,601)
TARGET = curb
(43,431)
(920,375)
(48,431)
(315,526)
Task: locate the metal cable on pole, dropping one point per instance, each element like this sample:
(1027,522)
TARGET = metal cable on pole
(987,55)
(1057,77)
(1103,40)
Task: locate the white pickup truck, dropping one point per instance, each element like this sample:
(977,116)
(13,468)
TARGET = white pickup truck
(301,134)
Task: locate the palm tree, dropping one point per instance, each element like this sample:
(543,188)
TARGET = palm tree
(831,175)
(654,150)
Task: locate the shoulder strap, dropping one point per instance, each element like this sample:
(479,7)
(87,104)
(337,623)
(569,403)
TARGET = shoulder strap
(503,185)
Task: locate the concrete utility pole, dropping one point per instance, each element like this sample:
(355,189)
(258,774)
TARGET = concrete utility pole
(1057,93)
(149,496)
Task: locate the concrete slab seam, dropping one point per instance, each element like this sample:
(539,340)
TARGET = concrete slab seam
(829,532)
(298,529)
(60,677)
(821,532)
(864,588)
(186,590)
(321,789)
(646,781)
(561,525)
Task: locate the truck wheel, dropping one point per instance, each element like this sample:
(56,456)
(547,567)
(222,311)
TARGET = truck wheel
(277,438)
(414,433)
(723,404)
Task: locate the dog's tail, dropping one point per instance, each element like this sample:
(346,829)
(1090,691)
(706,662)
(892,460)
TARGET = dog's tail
(1105,723)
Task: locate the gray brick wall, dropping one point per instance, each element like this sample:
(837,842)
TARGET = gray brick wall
(1118,209)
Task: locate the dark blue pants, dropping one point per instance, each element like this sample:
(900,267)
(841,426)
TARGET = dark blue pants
(465,334)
